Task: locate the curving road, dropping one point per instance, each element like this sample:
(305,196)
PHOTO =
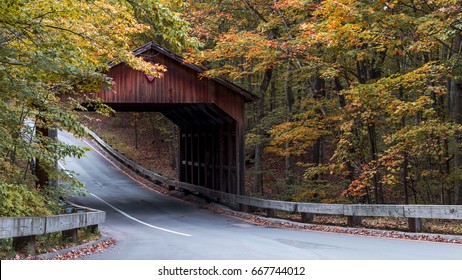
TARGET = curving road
(153,226)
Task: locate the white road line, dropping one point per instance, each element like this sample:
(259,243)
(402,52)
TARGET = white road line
(127,215)
(118,210)
(117,167)
(64,169)
(136,220)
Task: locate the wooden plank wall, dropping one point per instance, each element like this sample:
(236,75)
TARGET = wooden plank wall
(210,156)
(179,85)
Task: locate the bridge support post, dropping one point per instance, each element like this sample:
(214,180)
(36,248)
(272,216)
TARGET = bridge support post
(354,220)
(307,217)
(415,224)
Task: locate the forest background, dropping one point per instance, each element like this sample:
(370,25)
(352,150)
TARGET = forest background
(359,101)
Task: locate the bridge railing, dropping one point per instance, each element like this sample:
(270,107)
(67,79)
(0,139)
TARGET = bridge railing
(24,230)
(353,212)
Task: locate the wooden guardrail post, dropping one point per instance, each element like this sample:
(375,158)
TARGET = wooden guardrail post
(415,224)
(243,207)
(271,213)
(354,221)
(170,187)
(93,228)
(69,235)
(307,217)
(24,244)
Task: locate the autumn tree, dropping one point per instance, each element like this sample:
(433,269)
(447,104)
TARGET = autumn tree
(53,55)
(370,90)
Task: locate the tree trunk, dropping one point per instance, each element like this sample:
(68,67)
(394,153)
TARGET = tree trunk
(317,152)
(405,172)
(273,104)
(258,165)
(447,170)
(41,171)
(339,88)
(289,98)
(405,181)
(373,153)
(318,94)
(342,103)
(456,93)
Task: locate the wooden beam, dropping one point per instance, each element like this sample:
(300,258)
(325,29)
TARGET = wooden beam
(24,244)
(182,155)
(69,235)
(415,224)
(229,157)
(307,217)
(240,158)
(214,158)
(220,158)
(373,210)
(354,221)
(270,213)
(191,155)
(199,152)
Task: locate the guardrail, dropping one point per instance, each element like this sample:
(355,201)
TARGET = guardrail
(129,163)
(24,230)
(353,212)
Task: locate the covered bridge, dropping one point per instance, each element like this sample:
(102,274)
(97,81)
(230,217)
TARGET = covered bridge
(209,113)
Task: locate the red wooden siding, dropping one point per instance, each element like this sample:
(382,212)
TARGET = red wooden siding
(179,85)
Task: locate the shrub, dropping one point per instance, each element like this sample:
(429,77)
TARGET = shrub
(21,201)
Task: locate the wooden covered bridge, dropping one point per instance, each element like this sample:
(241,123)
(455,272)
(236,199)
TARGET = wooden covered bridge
(209,113)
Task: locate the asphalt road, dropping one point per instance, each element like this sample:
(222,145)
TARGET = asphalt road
(150,225)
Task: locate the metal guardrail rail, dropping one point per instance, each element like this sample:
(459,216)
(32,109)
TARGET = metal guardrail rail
(353,212)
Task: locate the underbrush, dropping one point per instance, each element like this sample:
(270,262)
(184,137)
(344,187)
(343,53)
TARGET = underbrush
(22,201)
(49,242)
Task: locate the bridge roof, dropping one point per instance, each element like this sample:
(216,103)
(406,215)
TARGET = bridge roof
(248,96)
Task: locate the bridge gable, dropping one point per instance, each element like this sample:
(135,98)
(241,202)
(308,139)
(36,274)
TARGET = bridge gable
(181,84)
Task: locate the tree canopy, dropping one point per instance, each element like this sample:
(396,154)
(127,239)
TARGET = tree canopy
(361,99)
(53,55)
(364,95)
